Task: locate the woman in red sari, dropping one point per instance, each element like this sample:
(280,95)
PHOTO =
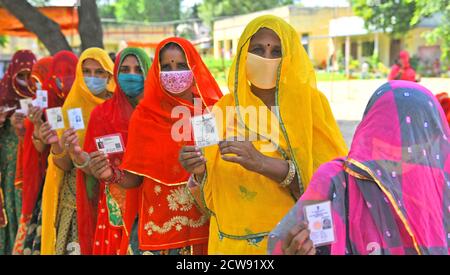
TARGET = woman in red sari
(99,206)
(55,75)
(168,221)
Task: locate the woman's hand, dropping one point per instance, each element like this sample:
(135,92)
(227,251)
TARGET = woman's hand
(192,160)
(35,116)
(17,120)
(297,241)
(70,141)
(47,135)
(245,154)
(100,166)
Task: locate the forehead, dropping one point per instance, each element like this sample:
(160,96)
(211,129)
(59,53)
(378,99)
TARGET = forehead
(172,53)
(265,36)
(130,59)
(91,63)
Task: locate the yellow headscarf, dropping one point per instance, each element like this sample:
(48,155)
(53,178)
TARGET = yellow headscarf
(248,205)
(79,97)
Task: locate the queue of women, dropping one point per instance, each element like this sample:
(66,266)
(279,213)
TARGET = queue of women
(61,193)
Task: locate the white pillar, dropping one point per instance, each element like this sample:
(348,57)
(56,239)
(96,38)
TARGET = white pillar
(347,56)
(376,45)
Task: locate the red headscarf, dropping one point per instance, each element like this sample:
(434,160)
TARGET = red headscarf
(10,91)
(111,117)
(151,151)
(63,68)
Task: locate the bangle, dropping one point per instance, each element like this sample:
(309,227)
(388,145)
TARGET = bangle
(290,175)
(116,177)
(85,164)
(60,155)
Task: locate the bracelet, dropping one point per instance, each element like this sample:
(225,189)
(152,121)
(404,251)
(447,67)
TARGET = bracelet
(85,164)
(116,177)
(290,175)
(60,155)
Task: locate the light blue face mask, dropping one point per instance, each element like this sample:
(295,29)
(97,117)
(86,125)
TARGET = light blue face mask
(96,85)
(131,84)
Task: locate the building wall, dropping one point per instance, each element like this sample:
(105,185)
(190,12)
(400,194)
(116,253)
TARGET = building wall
(306,21)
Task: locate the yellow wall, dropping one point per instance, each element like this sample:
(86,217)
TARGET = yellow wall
(311,21)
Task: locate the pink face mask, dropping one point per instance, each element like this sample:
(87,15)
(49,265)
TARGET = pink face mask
(176,82)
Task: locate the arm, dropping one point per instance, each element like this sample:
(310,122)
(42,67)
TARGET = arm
(60,156)
(251,159)
(35,116)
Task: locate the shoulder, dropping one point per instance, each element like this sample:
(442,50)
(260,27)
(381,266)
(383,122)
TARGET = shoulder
(328,170)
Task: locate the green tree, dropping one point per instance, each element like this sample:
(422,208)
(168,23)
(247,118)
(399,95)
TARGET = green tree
(148,10)
(427,8)
(391,16)
(211,9)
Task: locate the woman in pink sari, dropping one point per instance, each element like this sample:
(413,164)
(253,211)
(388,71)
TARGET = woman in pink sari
(391,194)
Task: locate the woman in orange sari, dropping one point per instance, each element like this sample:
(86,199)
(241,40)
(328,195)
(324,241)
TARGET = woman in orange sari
(168,221)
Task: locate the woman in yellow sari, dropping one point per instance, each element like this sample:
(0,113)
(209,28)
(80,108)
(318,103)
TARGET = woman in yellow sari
(275,129)
(92,86)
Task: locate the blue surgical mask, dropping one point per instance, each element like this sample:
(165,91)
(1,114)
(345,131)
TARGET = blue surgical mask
(95,84)
(131,84)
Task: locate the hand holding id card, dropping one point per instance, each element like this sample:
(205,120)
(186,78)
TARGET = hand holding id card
(55,118)
(320,223)
(76,118)
(205,130)
(110,144)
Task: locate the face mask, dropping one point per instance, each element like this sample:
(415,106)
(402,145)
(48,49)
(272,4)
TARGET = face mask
(95,84)
(262,72)
(22,82)
(176,82)
(131,84)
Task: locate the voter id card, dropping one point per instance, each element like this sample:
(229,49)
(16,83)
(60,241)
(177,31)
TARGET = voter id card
(110,144)
(205,130)
(320,223)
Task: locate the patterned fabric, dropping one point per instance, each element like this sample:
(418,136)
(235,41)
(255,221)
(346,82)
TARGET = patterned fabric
(391,195)
(12,196)
(66,220)
(133,248)
(32,245)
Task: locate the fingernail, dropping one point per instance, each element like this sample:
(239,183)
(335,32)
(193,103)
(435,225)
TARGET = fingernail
(198,153)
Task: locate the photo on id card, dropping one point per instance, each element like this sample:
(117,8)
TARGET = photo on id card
(320,223)
(110,144)
(205,130)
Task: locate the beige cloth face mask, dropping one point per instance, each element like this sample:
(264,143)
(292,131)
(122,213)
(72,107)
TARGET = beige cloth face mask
(262,72)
